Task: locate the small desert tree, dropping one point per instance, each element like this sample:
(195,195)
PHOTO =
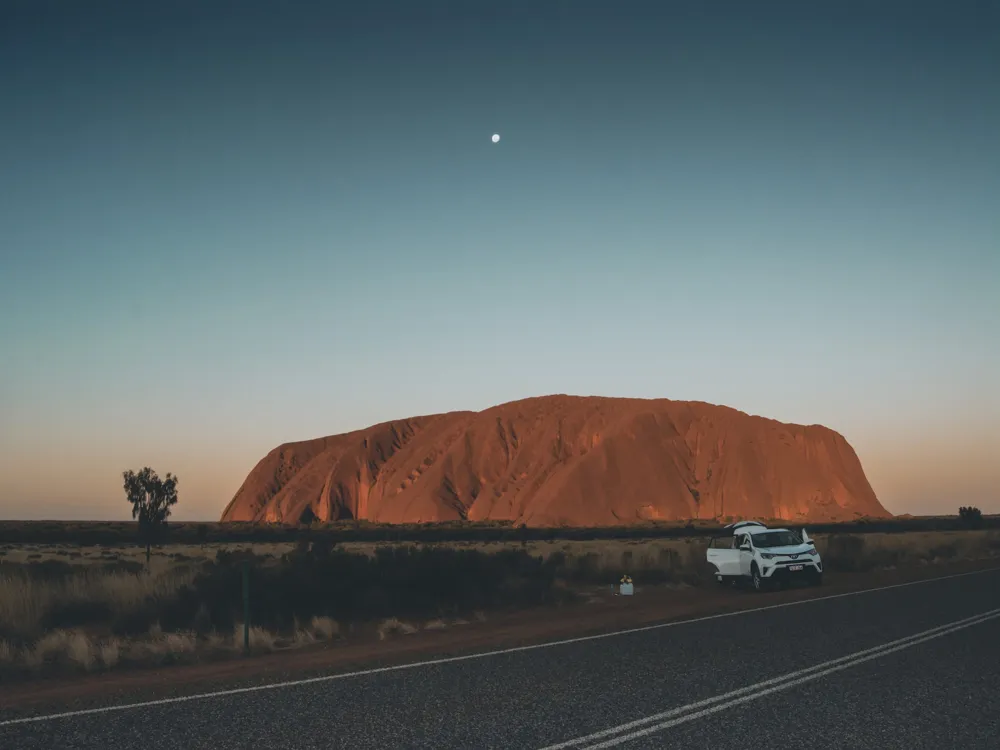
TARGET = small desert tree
(151,498)
(971,516)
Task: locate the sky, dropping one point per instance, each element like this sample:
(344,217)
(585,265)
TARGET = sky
(227,225)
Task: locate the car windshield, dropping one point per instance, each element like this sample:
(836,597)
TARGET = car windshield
(776,539)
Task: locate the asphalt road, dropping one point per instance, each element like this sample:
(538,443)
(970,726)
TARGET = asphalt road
(904,667)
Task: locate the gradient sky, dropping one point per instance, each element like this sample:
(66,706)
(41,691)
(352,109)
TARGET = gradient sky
(225,225)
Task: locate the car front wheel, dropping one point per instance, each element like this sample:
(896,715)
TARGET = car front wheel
(755,578)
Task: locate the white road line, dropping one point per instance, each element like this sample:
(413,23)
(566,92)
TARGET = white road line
(467,657)
(578,741)
(683,714)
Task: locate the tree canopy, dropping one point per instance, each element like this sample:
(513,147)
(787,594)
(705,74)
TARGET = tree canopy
(151,499)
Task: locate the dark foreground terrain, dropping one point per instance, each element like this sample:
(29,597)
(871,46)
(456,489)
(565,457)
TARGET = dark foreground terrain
(913,665)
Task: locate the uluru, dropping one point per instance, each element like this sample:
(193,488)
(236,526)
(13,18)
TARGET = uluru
(564,461)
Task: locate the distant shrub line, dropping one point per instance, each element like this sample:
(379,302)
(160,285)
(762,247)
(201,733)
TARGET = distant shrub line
(117,533)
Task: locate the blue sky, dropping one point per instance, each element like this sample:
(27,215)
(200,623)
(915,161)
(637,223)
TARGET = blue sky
(228,225)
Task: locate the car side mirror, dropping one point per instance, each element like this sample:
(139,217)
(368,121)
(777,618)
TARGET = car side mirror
(745,546)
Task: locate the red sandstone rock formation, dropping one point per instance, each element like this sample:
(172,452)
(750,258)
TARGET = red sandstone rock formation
(564,461)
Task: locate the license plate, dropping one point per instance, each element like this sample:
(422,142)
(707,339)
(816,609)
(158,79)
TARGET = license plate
(795,567)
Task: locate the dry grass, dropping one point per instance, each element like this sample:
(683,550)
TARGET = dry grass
(162,649)
(881,551)
(109,653)
(324,628)
(8,654)
(684,559)
(63,649)
(216,643)
(393,626)
(176,644)
(261,641)
(66,650)
(29,606)
(26,604)
(163,558)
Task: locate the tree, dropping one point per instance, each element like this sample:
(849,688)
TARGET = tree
(151,498)
(971,516)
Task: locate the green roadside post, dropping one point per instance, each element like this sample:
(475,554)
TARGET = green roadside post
(246,606)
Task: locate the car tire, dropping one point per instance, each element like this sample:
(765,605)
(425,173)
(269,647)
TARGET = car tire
(756,579)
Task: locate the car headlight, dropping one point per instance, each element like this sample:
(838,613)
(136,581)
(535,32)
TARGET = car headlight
(812,551)
(767,555)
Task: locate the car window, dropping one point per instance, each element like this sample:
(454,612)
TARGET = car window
(778,539)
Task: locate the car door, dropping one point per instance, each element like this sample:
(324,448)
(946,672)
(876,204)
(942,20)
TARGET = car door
(746,554)
(725,559)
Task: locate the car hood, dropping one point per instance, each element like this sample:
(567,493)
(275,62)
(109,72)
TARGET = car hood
(792,549)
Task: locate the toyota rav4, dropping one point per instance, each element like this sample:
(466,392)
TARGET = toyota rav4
(752,553)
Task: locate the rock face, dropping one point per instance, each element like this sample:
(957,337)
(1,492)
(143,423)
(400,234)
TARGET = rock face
(563,461)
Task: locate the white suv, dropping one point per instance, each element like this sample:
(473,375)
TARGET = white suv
(761,556)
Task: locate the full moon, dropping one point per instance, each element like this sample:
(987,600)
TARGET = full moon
(496,138)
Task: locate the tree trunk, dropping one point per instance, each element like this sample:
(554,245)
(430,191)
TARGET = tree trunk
(147,555)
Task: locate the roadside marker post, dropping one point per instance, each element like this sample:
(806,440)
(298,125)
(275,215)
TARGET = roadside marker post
(246,606)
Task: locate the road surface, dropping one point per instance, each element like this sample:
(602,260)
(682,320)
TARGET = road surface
(906,666)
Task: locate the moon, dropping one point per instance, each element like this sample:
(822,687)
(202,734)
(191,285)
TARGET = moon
(495,138)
